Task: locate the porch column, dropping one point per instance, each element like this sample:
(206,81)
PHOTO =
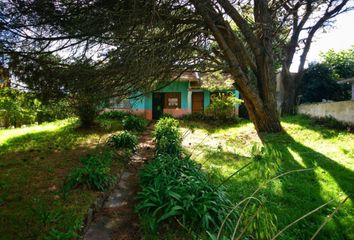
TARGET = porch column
(189,100)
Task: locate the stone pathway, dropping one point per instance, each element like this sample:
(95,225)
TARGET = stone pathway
(117,219)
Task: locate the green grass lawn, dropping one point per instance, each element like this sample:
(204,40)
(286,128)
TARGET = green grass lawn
(222,150)
(34,162)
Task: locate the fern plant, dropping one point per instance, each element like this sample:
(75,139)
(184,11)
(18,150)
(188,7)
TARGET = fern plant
(123,140)
(134,123)
(168,137)
(94,174)
(174,188)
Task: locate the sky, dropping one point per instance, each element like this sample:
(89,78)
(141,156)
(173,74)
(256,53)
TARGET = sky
(338,38)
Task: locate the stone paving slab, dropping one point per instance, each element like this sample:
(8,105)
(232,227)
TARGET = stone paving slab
(117,219)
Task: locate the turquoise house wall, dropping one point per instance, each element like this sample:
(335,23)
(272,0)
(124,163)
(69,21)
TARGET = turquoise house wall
(148,101)
(207,98)
(181,87)
(138,103)
(144,102)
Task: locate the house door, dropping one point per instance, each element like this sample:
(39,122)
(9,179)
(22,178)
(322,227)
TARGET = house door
(157,105)
(197,102)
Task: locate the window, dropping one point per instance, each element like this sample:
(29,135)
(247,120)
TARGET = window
(116,103)
(172,100)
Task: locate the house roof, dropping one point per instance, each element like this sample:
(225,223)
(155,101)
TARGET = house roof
(200,80)
(348,80)
(189,76)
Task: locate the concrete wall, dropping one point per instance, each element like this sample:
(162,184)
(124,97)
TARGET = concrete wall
(342,111)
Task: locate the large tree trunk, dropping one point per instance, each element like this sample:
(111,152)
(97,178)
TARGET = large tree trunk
(263,113)
(265,119)
(251,66)
(288,93)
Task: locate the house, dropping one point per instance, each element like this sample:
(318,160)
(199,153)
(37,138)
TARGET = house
(183,96)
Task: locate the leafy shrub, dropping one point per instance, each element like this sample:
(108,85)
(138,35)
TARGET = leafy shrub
(94,174)
(332,123)
(198,116)
(67,234)
(177,189)
(222,106)
(123,140)
(134,123)
(167,127)
(169,146)
(168,136)
(320,82)
(54,110)
(18,108)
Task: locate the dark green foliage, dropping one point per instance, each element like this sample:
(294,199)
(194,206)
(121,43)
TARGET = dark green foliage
(222,106)
(210,119)
(124,139)
(332,123)
(168,137)
(18,108)
(94,174)
(168,146)
(54,110)
(342,62)
(319,82)
(134,123)
(174,188)
(197,117)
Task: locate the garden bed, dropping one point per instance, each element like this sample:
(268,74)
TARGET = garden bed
(35,162)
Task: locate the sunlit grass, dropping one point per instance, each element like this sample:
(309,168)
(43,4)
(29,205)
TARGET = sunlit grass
(222,150)
(6,134)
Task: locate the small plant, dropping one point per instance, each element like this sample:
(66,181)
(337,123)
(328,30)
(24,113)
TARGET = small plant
(169,146)
(134,123)
(94,174)
(41,211)
(168,137)
(176,189)
(124,140)
(198,116)
(266,160)
(55,234)
(223,106)
(70,233)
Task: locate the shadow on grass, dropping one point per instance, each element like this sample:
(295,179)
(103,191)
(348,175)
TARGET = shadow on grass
(212,127)
(294,195)
(26,147)
(305,191)
(221,157)
(308,123)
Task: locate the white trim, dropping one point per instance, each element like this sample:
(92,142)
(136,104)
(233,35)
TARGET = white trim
(189,99)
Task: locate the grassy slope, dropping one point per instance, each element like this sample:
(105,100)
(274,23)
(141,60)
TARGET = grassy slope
(33,164)
(223,150)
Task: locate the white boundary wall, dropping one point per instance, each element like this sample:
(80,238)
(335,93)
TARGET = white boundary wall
(342,111)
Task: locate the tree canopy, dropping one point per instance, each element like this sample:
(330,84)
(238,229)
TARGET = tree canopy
(320,81)
(135,44)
